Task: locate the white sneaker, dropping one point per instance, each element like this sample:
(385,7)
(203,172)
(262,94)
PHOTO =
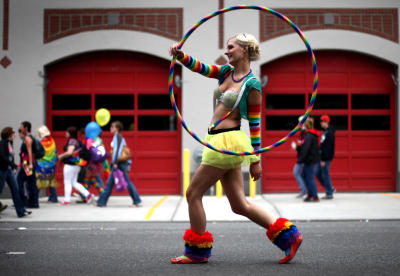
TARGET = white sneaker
(89,198)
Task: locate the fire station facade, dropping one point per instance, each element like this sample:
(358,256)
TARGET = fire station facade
(66,60)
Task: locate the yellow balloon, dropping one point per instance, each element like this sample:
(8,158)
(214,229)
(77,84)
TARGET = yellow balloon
(102,116)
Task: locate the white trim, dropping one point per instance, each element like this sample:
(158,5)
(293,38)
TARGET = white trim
(330,40)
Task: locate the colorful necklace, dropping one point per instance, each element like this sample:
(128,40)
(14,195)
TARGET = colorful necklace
(241,78)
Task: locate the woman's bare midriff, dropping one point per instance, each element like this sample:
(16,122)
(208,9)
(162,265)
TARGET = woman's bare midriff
(233,120)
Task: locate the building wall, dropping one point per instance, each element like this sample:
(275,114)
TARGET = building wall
(22,81)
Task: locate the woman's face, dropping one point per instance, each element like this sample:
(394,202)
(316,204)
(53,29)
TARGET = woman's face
(113,129)
(21,131)
(12,136)
(234,51)
(67,134)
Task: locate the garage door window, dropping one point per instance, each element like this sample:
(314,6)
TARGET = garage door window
(71,102)
(289,101)
(155,101)
(339,121)
(114,101)
(370,122)
(373,101)
(331,101)
(163,123)
(61,123)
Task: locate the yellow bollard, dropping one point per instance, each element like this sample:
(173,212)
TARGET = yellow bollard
(186,170)
(252,187)
(218,189)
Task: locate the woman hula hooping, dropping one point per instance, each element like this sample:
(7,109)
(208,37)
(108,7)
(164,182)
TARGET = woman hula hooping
(238,96)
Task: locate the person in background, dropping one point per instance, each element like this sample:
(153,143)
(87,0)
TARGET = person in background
(327,152)
(72,162)
(298,167)
(98,164)
(309,155)
(7,168)
(46,166)
(27,168)
(88,177)
(117,144)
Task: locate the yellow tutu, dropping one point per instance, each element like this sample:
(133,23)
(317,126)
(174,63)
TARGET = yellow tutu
(236,140)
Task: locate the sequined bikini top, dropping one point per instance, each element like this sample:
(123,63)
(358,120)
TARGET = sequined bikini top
(228,98)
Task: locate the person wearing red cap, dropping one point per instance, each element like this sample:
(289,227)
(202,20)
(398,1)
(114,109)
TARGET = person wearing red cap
(327,152)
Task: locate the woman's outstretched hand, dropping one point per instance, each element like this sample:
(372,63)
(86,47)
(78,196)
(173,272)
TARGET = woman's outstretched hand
(173,50)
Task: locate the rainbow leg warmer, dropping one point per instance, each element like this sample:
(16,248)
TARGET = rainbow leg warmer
(197,248)
(286,236)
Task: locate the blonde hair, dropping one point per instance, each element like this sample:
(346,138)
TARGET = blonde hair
(309,123)
(249,41)
(43,131)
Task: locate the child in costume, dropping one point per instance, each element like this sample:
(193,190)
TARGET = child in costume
(97,166)
(238,96)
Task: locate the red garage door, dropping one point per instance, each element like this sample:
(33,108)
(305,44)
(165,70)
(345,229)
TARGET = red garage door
(134,88)
(358,92)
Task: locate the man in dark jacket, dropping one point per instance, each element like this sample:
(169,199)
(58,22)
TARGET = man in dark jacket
(327,152)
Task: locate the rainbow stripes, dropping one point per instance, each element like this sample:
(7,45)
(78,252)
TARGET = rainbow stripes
(46,166)
(207,70)
(107,170)
(76,160)
(283,233)
(197,247)
(254,114)
(310,105)
(91,180)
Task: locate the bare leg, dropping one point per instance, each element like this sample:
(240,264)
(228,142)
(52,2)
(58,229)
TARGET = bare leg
(204,178)
(233,185)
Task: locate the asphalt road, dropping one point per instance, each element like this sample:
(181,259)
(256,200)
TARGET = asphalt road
(240,248)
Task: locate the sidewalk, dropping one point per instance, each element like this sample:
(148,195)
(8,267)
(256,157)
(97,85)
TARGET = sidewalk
(173,208)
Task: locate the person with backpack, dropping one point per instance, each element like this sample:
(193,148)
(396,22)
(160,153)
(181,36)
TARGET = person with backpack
(7,168)
(72,163)
(29,151)
(119,162)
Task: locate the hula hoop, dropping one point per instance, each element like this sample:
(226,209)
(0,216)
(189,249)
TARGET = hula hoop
(310,105)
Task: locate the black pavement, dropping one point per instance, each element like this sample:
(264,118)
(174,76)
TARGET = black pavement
(240,248)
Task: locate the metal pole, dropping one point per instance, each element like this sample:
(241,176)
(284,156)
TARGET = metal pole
(186,170)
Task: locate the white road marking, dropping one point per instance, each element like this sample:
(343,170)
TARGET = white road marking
(61,229)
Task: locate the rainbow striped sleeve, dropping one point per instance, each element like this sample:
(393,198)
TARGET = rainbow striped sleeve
(210,71)
(254,114)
